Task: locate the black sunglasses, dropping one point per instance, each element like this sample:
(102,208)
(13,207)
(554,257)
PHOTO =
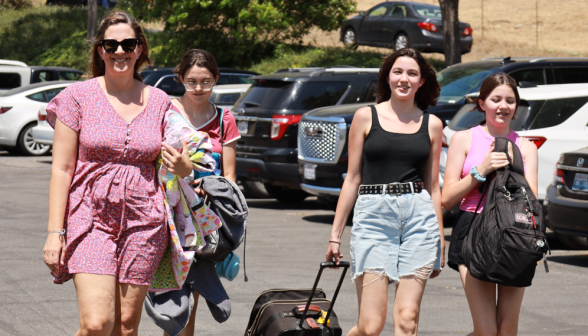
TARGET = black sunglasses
(111,46)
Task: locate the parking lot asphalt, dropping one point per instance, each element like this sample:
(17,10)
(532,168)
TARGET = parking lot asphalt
(285,244)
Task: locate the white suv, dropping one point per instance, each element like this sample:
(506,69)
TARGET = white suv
(15,74)
(554,117)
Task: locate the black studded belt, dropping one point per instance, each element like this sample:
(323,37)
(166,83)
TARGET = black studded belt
(391,189)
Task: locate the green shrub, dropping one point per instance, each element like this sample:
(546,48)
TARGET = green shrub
(70,52)
(15,4)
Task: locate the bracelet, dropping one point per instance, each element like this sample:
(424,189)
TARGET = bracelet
(334,241)
(61,233)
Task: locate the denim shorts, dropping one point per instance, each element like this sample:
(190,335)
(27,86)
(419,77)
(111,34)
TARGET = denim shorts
(397,236)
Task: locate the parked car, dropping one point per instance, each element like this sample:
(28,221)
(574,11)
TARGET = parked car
(554,117)
(19,109)
(464,78)
(566,202)
(267,116)
(166,80)
(400,24)
(15,74)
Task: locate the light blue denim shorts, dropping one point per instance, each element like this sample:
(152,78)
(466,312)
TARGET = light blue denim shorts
(395,235)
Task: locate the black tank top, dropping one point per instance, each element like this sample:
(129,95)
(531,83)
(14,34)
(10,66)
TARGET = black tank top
(395,157)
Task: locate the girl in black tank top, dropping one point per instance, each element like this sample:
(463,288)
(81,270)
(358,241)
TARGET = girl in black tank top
(392,185)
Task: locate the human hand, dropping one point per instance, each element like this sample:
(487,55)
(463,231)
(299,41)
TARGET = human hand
(333,253)
(54,252)
(492,161)
(436,273)
(175,162)
(199,191)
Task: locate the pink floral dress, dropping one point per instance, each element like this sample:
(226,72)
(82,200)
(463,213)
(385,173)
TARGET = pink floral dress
(115,217)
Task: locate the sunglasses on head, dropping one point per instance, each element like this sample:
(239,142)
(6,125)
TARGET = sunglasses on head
(111,46)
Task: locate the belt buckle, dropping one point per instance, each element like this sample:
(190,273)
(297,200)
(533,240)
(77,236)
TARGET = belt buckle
(390,188)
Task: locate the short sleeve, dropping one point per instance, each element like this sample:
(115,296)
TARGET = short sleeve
(231,132)
(65,108)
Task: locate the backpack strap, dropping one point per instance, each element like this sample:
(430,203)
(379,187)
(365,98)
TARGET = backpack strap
(516,163)
(222,134)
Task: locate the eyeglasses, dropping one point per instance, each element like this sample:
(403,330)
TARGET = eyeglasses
(111,46)
(206,85)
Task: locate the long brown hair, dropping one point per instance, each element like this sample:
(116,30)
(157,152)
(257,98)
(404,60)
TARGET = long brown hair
(426,95)
(491,83)
(198,57)
(97,67)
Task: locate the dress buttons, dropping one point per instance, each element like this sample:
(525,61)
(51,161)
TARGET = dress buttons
(128,139)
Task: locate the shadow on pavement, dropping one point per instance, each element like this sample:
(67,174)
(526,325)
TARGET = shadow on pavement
(573,260)
(321,219)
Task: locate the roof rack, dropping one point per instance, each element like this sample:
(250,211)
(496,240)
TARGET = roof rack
(334,68)
(539,59)
(13,63)
(307,69)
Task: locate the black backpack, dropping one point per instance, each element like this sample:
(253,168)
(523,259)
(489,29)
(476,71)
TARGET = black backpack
(507,240)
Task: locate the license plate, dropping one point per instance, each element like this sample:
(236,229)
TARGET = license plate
(310,172)
(243,126)
(580,182)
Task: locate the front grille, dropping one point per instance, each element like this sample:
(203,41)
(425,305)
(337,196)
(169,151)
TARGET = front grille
(321,141)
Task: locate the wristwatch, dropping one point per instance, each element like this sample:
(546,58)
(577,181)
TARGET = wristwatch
(474,172)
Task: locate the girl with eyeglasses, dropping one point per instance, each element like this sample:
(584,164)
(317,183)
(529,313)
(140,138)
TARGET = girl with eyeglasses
(107,223)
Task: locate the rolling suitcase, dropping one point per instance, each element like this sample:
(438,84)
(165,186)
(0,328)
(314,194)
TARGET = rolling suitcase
(296,312)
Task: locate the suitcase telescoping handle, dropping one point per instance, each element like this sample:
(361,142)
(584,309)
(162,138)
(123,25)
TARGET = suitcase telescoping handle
(329,264)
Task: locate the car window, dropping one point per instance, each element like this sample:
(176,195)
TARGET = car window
(171,86)
(535,76)
(45,76)
(53,92)
(353,96)
(398,11)
(224,79)
(267,94)
(244,79)
(425,10)
(313,95)
(39,96)
(370,96)
(459,80)
(556,111)
(9,80)
(379,10)
(467,118)
(69,75)
(574,75)
(224,98)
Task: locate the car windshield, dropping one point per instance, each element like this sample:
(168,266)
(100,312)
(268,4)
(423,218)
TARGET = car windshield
(427,11)
(459,80)
(277,94)
(467,117)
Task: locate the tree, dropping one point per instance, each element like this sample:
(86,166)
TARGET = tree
(237,32)
(92,20)
(451,39)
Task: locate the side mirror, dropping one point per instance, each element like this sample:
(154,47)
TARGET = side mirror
(361,13)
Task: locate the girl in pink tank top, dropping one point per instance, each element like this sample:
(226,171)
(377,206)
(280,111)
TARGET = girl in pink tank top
(470,160)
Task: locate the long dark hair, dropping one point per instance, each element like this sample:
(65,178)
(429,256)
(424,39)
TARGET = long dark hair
(198,57)
(491,83)
(426,95)
(97,67)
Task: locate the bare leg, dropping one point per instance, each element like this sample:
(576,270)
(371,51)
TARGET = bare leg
(481,297)
(129,306)
(373,304)
(189,330)
(96,303)
(510,300)
(407,305)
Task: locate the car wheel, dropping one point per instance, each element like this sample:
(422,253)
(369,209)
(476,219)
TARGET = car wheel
(27,145)
(254,189)
(284,194)
(575,242)
(350,39)
(400,42)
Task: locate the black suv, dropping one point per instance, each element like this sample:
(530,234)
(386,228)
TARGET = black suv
(460,79)
(165,79)
(322,136)
(268,114)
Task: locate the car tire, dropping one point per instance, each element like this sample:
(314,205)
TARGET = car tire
(575,242)
(254,189)
(27,146)
(285,195)
(401,41)
(350,39)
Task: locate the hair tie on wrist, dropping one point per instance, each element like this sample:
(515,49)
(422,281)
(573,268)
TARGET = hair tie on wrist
(61,233)
(336,242)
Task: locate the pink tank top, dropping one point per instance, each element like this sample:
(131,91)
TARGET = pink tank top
(481,142)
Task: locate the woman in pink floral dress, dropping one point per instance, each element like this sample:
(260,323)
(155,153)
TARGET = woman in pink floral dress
(107,225)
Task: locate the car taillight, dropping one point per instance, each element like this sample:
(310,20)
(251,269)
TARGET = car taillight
(558,174)
(41,117)
(428,26)
(444,141)
(5,109)
(468,31)
(538,141)
(280,123)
